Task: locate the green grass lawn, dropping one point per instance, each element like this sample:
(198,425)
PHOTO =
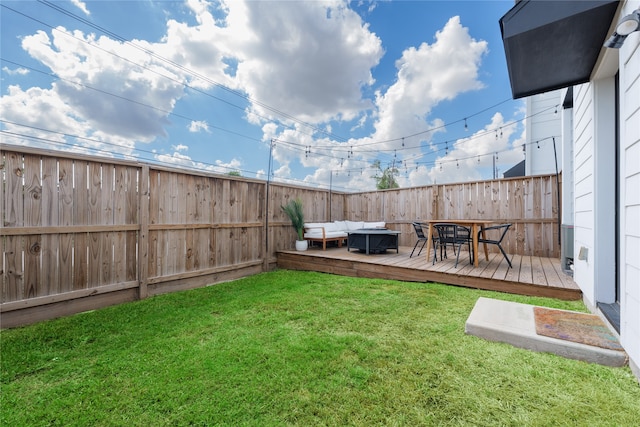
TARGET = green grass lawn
(299,348)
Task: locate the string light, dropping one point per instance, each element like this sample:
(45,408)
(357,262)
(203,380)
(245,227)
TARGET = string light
(466,128)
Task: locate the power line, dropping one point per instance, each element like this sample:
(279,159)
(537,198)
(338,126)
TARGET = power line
(342,148)
(133,101)
(155,159)
(187,70)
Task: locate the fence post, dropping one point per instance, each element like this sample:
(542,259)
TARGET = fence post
(143,235)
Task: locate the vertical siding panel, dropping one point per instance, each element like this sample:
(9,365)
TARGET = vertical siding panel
(13,288)
(31,200)
(170,246)
(65,218)
(119,218)
(14,207)
(132,217)
(179,253)
(80,217)
(50,217)
(154,219)
(95,216)
(107,218)
(192,217)
(144,243)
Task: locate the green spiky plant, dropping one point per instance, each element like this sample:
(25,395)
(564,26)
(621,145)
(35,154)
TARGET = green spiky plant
(293,209)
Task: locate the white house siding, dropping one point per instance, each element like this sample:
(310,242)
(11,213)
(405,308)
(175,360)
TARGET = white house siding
(583,189)
(630,193)
(593,186)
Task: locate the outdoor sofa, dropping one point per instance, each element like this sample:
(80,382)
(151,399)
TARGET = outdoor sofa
(335,231)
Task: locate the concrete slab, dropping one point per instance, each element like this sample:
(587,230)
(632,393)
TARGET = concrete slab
(514,323)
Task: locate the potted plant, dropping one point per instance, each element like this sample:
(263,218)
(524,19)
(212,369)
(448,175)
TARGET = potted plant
(293,209)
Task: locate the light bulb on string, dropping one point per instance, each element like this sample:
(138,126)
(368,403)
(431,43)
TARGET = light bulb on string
(466,128)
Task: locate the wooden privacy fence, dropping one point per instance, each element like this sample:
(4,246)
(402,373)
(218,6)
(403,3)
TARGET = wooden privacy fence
(529,203)
(82,232)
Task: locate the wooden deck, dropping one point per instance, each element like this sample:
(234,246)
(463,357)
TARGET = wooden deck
(533,276)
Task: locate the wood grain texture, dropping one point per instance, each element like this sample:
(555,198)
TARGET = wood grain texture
(73,224)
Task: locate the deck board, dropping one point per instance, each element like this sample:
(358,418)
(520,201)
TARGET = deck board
(534,276)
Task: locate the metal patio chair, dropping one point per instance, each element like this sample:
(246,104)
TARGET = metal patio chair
(502,229)
(422,237)
(454,235)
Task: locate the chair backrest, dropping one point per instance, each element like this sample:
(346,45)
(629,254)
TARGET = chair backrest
(502,229)
(452,233)
(446,232)
(419,231)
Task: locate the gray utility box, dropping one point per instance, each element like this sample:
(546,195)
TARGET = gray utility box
(566,247)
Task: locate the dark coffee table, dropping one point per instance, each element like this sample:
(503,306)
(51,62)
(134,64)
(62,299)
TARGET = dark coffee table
(372,240)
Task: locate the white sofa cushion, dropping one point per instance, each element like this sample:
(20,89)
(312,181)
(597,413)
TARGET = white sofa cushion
(337,228)
(340,225)
(327,234)
(331,226)
(354,225)
(315,226)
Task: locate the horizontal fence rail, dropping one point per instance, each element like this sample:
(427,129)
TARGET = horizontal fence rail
(82,232)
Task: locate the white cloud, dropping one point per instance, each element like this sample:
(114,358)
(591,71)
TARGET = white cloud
(18,71)
(428,75)
(70,56)
(198,126)
(82,6)
(180,147)
(22,106)
(310,59)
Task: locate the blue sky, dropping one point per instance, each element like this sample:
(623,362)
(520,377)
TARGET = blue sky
(331,86)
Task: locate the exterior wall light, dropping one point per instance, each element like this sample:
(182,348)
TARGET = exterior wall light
(626,26)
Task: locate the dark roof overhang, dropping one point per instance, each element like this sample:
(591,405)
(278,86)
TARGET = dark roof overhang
(553,44)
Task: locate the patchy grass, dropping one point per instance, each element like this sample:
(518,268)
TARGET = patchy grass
(298,348)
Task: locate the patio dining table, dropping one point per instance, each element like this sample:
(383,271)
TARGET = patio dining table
(475,225)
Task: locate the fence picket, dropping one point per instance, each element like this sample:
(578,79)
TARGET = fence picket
(75,222)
